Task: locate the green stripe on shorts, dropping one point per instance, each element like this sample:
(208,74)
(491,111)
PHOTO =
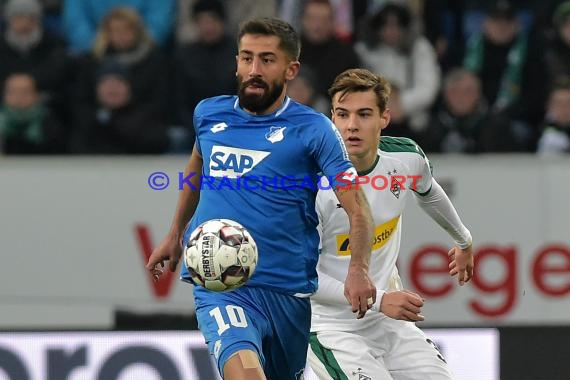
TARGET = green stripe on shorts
(326,357)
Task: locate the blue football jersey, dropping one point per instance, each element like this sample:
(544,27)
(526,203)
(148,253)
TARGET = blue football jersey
(262,171)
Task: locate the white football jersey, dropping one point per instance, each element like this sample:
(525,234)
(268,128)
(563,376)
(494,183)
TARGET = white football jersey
(387,196)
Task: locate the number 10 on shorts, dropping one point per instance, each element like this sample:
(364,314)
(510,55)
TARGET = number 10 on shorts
(234,314)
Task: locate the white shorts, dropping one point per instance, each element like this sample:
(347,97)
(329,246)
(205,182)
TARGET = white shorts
(389,349)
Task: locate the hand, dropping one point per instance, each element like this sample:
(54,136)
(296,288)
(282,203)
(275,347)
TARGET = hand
(462,264)
(403,305)
(359,290)
(169,249)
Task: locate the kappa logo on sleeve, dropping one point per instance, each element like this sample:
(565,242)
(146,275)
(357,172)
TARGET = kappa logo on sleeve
(234,162)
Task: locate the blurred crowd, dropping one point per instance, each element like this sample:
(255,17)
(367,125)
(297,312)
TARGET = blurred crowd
(123,76)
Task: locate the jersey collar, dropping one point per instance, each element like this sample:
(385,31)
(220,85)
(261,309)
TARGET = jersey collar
(371,168)
(277,113)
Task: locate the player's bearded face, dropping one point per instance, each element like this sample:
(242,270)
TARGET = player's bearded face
(259,101)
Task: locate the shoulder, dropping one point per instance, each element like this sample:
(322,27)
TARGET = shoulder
(305,116)
(389,159)
(215,104)
(421,43)
(390,144)
(216,108)
(405,149)
(296,109)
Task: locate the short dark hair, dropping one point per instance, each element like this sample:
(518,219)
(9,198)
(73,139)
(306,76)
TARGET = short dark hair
(502,10)
(215,7)
(402,14)
(290,42)
(361,80)
(306,4)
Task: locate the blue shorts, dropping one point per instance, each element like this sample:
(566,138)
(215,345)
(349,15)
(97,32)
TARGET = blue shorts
(272,324)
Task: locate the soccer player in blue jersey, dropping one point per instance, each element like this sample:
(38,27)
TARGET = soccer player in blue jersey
(261,330)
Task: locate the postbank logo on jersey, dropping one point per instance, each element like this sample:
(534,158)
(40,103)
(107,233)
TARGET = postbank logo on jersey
(231,162)
(382,234)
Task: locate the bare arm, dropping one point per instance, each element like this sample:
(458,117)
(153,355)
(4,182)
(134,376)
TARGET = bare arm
(188,198)
(170,248)
(359,289)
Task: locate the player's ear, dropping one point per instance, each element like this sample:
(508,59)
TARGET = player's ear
(385,118)
(292,70)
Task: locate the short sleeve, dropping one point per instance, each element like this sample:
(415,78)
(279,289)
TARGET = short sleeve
(326,145)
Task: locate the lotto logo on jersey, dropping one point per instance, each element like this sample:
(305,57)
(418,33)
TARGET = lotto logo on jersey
(234,162)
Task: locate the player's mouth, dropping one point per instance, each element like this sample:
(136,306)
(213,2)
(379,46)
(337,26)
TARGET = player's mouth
(353,141)
(255,87)
(254,90)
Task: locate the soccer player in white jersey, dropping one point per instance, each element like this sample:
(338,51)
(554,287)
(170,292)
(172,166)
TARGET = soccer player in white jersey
(385,344)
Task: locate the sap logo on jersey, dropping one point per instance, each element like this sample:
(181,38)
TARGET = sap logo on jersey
(234,162)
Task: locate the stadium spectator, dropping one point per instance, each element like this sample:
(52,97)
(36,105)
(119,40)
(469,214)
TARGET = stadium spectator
(475,12)
(115,123)
(399,123)
(346,13)
(556,126)
(205,67)
(557,53)
(236,11)
(391,47)
(321,48)
(440,21)
(463,123)
(122,36)
(27,126)
(81,18)
(241,10)
(26,46)
(548,61)
(303,90)
(497,55)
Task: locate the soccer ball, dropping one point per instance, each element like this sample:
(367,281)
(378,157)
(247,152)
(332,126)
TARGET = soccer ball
(220,255)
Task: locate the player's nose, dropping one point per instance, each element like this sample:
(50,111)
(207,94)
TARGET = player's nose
(254,68)
(352,125)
